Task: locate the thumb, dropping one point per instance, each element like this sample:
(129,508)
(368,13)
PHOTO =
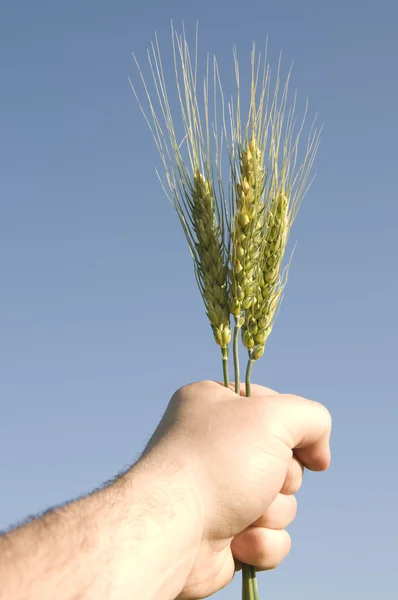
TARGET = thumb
(303,425)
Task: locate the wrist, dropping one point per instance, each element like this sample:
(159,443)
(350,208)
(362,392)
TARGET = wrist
(166,521)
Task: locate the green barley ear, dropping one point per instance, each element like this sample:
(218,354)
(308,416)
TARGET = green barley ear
(259,319)
(285,190)
(211,265)
(285,181)
(249,175)
(191,157)
(247,228)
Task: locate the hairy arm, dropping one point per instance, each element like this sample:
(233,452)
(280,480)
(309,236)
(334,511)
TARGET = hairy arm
(136,538)
(215,485)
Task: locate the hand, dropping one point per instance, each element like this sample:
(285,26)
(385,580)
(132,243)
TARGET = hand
(245,459)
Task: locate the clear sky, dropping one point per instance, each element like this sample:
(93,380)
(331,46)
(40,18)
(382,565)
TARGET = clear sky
(100,317)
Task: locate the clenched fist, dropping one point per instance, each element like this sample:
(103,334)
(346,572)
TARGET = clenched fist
(244,459)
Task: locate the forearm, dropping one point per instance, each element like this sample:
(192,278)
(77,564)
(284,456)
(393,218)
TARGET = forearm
(133,539)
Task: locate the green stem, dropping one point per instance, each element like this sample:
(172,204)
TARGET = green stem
(249,583)
(250,589)
(236,355)
(224,352)
(246,583)
(254,583)
(250,364)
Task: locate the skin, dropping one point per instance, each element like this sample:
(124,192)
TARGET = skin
(214,487)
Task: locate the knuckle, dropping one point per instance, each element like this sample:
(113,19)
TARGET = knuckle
(207,386)
(208,383)
(265,554)
(293,507)
(196,386)
(293,397)
(293,481)
(274,551)
(185,389)
(288,545)
(328,416)
(291,487)
(263,391)
(324,415)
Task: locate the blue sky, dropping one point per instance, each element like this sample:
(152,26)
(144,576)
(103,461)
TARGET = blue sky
(100,318)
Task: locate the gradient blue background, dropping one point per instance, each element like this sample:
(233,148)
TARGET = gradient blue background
(96,277)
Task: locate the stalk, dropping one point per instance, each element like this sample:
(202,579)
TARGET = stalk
(224,352)
(249,583)
(249,579)
(236,354)
(250,364)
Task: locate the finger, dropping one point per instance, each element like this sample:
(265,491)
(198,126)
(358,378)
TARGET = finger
(316,457)
(255,390)
(263,548)
(280,514)
(302,424)
(294,477)
(238,565)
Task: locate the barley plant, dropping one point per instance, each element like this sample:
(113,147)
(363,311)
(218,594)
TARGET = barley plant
(237,227)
